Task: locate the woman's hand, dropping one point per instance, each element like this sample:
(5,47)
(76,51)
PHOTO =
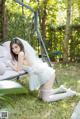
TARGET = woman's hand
(14,66)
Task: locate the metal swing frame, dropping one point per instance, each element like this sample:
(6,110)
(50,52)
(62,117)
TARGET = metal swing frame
(40,40)
(36,29)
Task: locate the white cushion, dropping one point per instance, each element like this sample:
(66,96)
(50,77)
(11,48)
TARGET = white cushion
(5,52)
(6,47)
(3,68)
(2,51)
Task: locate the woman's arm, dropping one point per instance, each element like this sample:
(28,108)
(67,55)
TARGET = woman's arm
(18,66)
(21,58)
(14,66)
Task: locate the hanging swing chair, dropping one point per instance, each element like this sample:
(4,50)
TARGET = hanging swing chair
(7,86)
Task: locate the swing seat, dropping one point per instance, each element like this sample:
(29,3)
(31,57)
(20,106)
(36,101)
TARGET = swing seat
(10,74)
(7,85)
(5,56)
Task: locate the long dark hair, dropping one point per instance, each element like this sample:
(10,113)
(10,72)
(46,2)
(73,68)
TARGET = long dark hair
(18,42)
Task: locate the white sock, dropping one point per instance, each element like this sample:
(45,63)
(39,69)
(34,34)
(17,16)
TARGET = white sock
(49,98)
(61,89)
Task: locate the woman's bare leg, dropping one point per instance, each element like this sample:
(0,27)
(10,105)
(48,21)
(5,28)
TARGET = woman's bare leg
(47,93)
(48,87)
(49,83)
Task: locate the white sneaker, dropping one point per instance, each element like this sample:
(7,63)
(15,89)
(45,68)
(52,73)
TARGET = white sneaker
(63,89)
(71,93)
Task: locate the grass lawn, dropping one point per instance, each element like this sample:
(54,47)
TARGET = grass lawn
(28,106)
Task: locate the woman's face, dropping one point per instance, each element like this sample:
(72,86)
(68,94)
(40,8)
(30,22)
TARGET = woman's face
(16,48)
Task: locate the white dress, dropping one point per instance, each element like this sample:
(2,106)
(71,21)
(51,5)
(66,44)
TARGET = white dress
(40,72)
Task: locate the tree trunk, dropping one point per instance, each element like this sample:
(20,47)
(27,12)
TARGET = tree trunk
(42,18)
(67,30)
(42,21)
(3,21)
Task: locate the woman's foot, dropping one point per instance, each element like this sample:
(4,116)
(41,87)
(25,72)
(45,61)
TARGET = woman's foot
(71,92)
(62,89)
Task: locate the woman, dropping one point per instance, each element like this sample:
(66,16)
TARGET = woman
(41,76)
